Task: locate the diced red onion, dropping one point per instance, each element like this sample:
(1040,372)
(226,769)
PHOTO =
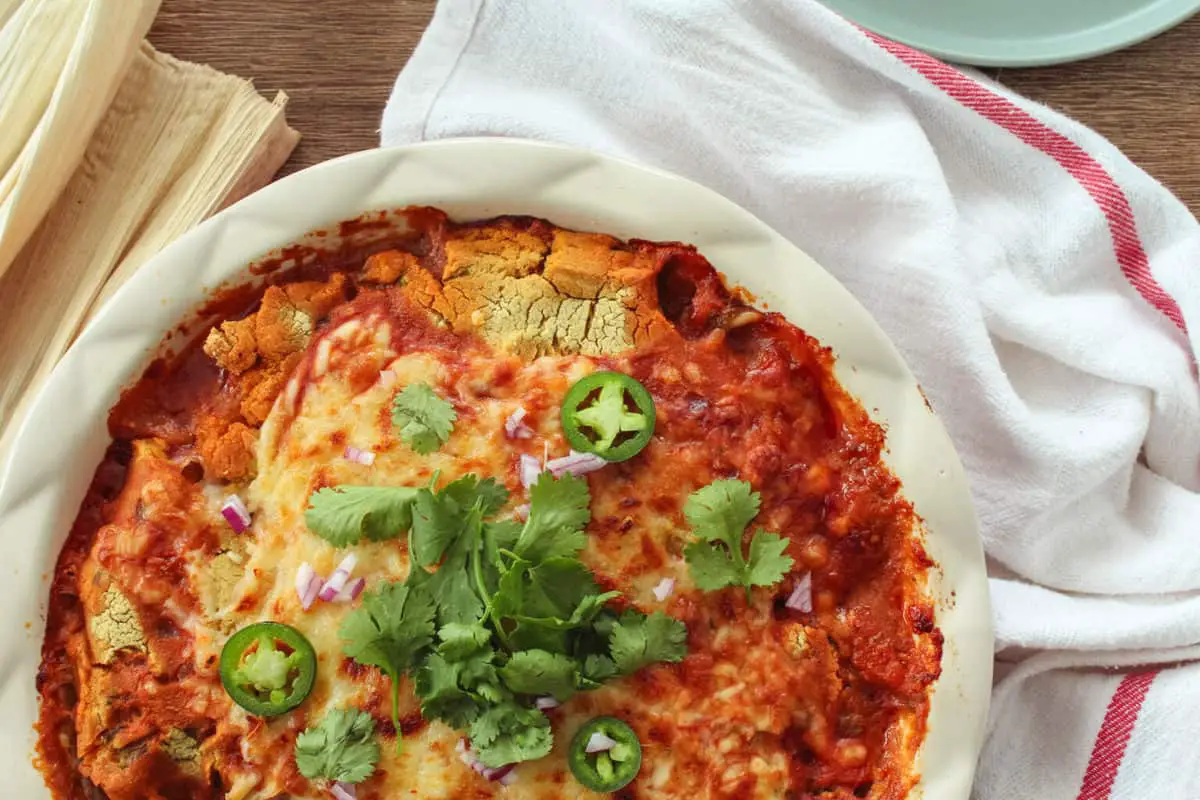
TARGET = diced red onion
(344,791)
(308,585)
(599,743)
(575,464)
(351,590)
(310,594)
(530,469)
(364,457)
(508,778)
(664,589)
(496,773)
(801,597)
(546,703)
(236,513)
(304,577)
(337,580)
(515,427)
(387,378)
(521,512)
(467,756)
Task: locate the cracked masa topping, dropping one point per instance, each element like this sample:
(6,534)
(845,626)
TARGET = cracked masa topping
(535,295)
(493,315)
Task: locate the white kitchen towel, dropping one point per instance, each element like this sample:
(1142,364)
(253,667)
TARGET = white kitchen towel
(1040,286)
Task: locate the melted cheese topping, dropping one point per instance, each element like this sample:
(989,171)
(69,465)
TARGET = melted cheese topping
(768,703)
(302,448)
(715,735)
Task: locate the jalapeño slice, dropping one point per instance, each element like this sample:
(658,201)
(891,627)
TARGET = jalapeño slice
(607,770)
(609,414)
(268,668)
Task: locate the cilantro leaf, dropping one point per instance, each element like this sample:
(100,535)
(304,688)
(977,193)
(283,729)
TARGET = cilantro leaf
(510,593)
(559,510)
(502,535)
(638,641)
(342,515)
(719,514)
(439,517)
(712,566)
(539,672)
(553,588)
(767,564)
(598,669)
(450,522)
(423,420)
(518,613)
(460,680)
(468,490)
(551,633)
(390,630)
(341,748)
(507,733)
(590,647)
(604,623)
(461,641)
(453,587)
(529,636)
(458,691)
(436,522)
(590,607)
(721,510)
(497,536)
(437,683)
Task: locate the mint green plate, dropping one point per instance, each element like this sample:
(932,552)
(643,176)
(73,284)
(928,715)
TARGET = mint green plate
(1017,33)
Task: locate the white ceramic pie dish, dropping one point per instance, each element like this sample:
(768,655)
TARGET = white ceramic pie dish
(63,436)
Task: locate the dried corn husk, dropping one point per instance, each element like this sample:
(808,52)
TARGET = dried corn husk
(178,142)
(61,62)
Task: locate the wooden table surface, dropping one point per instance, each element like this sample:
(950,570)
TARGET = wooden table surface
(337,60)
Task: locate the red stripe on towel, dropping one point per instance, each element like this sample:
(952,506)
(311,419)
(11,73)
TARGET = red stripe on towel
(1096,181)
(1114,735)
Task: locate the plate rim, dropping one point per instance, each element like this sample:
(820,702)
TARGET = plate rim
(1162,16)
(552,167)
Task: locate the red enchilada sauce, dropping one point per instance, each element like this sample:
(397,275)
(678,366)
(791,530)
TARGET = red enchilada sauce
(738,392)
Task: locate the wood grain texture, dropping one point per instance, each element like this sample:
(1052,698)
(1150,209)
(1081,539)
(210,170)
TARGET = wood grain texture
(337,60)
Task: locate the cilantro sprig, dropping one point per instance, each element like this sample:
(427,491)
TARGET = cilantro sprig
(390,630)
(495,613)
(343,515)
(341,748)
(719,514)
(638,641)
(423,420)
